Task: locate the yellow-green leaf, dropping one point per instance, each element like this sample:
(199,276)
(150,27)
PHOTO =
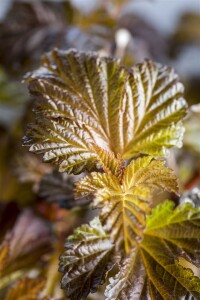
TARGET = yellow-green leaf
(84,99)
(124,203)
(154,270)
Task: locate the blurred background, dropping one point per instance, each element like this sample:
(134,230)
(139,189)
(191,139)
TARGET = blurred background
(36,202)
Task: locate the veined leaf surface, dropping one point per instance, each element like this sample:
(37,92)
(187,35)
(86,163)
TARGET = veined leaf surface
(86,100)
(86,261)
(124,203)
(153,269)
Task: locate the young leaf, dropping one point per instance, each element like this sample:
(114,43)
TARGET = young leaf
(153,269)
(84,99)
(26,289)
(86,261)
(124,204)
(109,162)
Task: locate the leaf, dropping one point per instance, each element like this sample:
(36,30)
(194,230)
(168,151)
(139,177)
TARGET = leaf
(58,187)
(32,37)
(85,100)
(29,235)
(109,162)
(153,270)
(86,261)
(26,289)
(129,282)
(124,204)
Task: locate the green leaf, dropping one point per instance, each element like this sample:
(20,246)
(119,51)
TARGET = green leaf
(154,270)
(124,203)
(85,100)
(86,261)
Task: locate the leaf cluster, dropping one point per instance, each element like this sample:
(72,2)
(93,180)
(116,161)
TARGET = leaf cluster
(93,114)
(109,128)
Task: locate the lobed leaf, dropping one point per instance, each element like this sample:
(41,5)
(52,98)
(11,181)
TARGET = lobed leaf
(125,203)
(153,270)
(86,261)
(85,100)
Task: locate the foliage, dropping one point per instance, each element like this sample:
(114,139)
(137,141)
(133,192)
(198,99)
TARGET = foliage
(111,122)
(153,270)
(93,113)
(92,245)
(125,202)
